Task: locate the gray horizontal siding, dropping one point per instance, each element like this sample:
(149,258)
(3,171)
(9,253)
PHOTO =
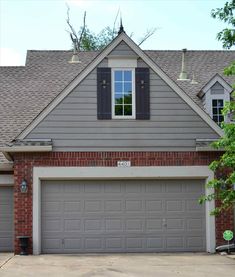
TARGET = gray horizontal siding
(73,124)
(122,49)
(217,89)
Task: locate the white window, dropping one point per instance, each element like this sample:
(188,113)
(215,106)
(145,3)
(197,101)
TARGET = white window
(214,96)
(217,107)
(123,93)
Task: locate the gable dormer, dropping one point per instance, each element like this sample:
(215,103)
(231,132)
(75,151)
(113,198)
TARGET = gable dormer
(214,95)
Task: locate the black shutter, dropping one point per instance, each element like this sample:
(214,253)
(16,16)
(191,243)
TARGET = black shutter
(104,93)
(142,93)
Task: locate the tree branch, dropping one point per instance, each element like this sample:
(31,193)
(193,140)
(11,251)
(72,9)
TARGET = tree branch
(72,32)
(83,30)
(148,34)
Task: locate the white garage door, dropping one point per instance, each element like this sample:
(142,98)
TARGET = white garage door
(122,216)
(6,219)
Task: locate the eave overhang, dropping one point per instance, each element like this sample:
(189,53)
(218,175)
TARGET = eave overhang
(24,146)
(204,145)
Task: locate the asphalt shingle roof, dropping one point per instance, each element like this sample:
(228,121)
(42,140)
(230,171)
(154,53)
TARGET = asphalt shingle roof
(26,91)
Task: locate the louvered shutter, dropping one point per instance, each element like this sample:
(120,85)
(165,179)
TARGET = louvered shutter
(104,93)
(142,93)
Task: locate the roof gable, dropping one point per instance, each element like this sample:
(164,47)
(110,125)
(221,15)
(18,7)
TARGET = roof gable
(96,61)
(212,82)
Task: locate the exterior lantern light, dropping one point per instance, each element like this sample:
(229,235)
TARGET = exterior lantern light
(23,186)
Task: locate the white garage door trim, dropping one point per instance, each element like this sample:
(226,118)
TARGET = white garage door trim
(74,173)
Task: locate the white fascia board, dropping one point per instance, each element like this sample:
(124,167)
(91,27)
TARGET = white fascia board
(97,60)
(13,149)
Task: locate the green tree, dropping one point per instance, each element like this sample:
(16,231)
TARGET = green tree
(225,14)
(224,168)
(86,40)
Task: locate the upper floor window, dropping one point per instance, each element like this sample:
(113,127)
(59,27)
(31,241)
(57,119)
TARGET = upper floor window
(123,93)
(214,95)
(217,107)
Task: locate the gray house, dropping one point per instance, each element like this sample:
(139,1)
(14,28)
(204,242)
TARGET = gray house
(111,153)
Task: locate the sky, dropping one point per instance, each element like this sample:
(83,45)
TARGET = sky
(41,24)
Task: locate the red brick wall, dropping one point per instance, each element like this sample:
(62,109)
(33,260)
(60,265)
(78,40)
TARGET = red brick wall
(24,163)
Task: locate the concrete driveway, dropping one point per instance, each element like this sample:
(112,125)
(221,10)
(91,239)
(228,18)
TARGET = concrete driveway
(162,265)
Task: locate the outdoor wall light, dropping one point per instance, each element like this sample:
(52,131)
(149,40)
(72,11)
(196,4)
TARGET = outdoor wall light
(23,186)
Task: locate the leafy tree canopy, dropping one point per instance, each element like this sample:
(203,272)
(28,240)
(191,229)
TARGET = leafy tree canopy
(224,168)
(226,14)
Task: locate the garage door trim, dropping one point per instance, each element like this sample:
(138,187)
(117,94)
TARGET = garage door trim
(73,173)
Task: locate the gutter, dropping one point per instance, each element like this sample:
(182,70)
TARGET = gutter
(8,150)
(204,145)
(26,148)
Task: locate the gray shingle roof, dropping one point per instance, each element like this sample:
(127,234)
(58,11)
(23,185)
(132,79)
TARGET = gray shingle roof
(26,91)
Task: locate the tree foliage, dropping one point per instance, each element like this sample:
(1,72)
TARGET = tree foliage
(224,168)
(87,40)
(91,41)
(225,14)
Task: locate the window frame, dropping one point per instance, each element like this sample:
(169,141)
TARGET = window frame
(133,116)
(217,97)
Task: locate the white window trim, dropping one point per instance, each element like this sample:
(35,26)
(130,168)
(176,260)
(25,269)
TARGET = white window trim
(133,116)
(122,62)
(112,173)
(209,97)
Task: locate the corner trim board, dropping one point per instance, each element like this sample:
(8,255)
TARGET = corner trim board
(112,173)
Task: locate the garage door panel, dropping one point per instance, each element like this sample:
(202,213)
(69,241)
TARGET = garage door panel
(151,187)
(194,224)
(72,225)
(112,188)
(94,244)
(93,206)
(133,205)
(114,244)
(154,205)
(174,242)
(192,205)
(176,205)
(155,243)
(52,207)
(112,224)
(113,205)
(72,243)
(6,219)
(136,225)
(123,216)
(195,242)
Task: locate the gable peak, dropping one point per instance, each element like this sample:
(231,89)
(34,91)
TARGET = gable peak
(121,28)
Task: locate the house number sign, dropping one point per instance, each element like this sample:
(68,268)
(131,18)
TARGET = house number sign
(123,163)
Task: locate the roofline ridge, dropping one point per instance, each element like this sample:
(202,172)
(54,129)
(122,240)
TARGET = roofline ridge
(193,50)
